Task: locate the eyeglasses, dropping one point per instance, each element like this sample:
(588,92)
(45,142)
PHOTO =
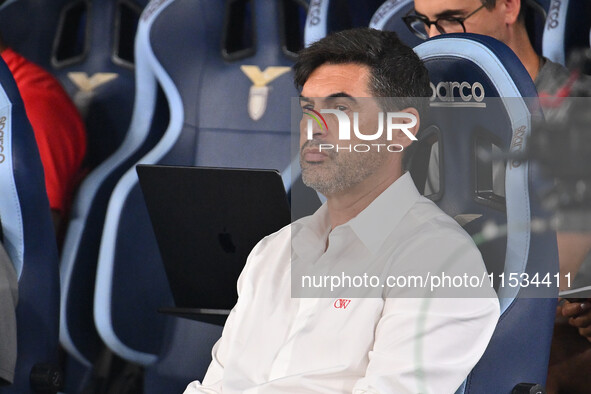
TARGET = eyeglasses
(420,24)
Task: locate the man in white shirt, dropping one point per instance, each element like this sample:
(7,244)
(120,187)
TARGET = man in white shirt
(384,328)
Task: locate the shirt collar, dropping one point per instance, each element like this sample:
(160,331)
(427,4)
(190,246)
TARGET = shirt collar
(377,221)
(371,226)
(309,233)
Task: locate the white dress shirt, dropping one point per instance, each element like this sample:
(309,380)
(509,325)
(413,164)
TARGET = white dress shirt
(361,340)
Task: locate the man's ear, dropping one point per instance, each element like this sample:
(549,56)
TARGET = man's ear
(512,8)
(401,137)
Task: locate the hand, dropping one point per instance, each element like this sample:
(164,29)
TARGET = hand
(579,316)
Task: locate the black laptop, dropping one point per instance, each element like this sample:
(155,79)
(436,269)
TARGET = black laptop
(206,222)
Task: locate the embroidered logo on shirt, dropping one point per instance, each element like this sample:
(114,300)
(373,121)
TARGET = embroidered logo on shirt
(341,303)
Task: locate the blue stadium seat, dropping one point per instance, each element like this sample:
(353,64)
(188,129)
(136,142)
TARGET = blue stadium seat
(229,107)
(78,334)
(487,109)
(93,57)
(326,16)
(567,28)
(29,240)
(88,46)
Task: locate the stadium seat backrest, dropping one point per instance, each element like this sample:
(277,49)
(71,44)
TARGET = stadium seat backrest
(327,16)
(93,58)
(480,104)
(28,26)
(29,238)
(229,107)
(88,46)
(567,28)
(79,258)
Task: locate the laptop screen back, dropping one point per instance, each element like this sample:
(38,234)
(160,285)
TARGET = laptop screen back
(206,222)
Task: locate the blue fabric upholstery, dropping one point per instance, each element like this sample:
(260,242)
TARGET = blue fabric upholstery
(106,105)
(567,28)
(519,349)
(77,55)
(31,39)
(389,17)
(78,264)
(544,3)
(327,16)
(29,238)
(217,118)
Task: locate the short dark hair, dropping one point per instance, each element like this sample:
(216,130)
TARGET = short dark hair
(395,69)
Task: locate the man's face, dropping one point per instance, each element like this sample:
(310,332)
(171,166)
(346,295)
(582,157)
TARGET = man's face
(339,86)
(487,22)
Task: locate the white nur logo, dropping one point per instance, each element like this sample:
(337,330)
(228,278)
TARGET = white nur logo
(345,125)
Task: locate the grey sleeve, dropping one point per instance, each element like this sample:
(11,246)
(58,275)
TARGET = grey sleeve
(8,301)
(551,77)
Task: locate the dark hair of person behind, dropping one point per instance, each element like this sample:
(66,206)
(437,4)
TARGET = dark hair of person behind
(397,75)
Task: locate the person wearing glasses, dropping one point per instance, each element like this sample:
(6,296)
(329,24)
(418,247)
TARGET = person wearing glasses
(500,19)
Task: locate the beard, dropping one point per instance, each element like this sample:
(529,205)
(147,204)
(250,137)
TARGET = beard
(340,171)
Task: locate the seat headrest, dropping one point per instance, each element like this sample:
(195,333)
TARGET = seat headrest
(477,56)
(327,16)
(389,17)
(473,81)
